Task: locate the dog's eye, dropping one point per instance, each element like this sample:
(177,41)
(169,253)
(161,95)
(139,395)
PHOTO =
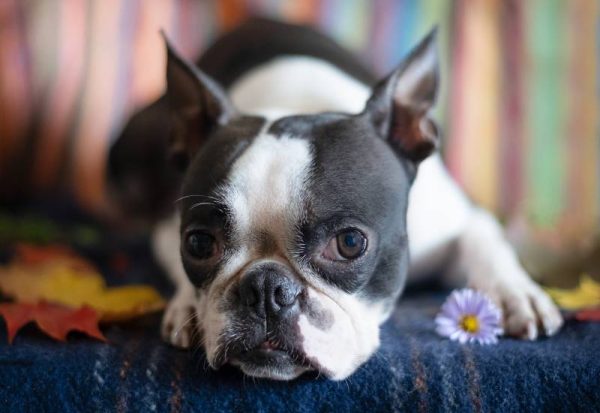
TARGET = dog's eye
(348,244)
(200,245)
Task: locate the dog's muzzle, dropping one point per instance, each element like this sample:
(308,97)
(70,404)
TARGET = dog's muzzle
(263,338)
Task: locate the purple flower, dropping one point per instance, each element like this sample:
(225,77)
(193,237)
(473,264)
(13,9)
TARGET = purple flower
(469,316)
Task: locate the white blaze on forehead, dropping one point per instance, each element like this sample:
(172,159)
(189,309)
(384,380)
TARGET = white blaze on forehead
(264,188)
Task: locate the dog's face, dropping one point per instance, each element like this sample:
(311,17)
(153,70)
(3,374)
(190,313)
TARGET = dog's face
(293,229)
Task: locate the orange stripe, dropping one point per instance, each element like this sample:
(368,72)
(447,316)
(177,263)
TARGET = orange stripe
(175,399)
(230,13)
(420,383)
(131,350)
(473,378)
(305,12)
(480,97)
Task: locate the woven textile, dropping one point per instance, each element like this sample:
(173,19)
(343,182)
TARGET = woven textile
(519,104)
(415,370)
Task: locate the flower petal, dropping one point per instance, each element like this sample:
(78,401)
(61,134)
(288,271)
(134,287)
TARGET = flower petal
(465,302)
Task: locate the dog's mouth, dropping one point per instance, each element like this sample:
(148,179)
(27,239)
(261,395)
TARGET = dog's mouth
(268,352)
(271,359)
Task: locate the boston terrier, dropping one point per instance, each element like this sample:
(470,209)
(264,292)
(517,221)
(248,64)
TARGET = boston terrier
(298,186)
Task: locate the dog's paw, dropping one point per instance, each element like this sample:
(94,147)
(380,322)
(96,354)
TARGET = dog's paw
(179,321)
(526,308)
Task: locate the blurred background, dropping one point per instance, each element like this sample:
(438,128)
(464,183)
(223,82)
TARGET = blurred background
(519,107)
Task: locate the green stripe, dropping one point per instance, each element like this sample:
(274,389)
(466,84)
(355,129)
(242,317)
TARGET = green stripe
(433,13)
(358,16)
(545,110)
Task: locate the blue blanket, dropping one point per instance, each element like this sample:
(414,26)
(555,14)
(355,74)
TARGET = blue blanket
(414,370)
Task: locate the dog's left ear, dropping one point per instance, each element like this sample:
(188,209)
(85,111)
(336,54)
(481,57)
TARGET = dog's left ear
(197,105)
(400,104)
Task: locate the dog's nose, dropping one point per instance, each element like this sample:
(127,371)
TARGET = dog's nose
(269,291)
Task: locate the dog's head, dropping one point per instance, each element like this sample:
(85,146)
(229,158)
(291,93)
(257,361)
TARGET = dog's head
(293,230)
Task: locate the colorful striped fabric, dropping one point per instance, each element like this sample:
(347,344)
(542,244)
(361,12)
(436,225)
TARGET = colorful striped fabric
(519,102)
(523,119)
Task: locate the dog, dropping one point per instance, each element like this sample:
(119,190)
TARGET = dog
(300,185)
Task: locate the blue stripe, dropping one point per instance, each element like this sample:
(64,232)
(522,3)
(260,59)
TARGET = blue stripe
(403,30)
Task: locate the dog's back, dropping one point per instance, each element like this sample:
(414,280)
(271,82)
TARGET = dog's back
(144,179)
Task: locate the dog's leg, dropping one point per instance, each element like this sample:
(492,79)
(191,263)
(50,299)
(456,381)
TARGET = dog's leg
(491,266)
(179,320)
(446,230)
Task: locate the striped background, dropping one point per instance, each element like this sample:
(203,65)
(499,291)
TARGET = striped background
(519,105)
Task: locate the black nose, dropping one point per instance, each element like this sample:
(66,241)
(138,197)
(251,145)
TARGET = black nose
(269,291)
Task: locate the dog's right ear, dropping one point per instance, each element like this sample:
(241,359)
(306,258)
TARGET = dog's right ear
(197,104)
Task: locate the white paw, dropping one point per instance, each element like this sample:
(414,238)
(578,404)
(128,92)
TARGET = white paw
(525,306)
(179,322)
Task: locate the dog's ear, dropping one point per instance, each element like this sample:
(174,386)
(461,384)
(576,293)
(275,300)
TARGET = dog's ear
(400,104)
(197,104)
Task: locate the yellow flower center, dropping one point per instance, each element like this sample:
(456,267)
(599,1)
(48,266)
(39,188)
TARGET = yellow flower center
(469,323)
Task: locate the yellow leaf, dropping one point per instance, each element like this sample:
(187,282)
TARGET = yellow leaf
(122,303)
(61,283)
(585,295)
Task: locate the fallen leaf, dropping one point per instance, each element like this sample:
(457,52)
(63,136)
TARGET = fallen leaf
(585,295)
(592,314)
(54,320)
(70,283)
(35,254)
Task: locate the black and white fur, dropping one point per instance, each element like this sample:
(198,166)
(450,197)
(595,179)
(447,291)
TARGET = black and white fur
(285,141)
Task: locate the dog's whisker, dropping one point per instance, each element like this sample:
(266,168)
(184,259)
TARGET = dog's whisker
(181,198)
(185,323)
(200,204)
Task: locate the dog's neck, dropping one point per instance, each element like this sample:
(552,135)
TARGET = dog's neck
(298,85)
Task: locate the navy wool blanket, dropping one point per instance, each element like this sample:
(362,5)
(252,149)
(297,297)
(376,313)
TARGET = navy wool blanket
(415,370)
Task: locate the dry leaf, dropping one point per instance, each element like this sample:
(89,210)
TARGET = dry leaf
(585,295)
(74,282)
(55,320)
(34,254)
(588,315)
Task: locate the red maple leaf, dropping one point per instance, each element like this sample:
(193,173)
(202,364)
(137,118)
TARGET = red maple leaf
(55,320)
(34,255)
(590,314)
